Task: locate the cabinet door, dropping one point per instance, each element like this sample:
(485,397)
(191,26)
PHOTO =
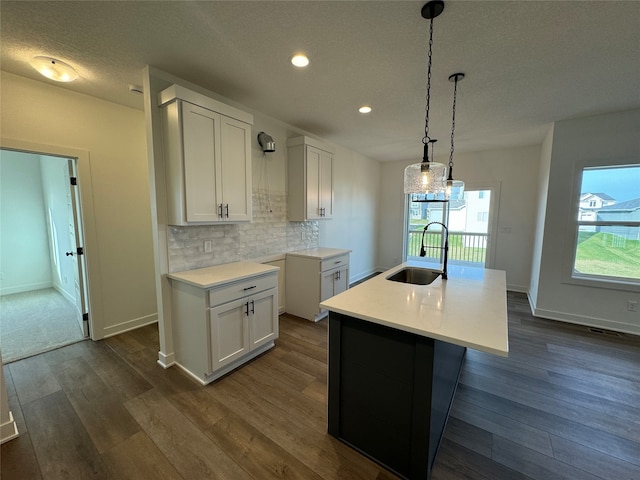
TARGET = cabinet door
(229,332)
(325,188)
(313,159)
(264,318)
(200,130)
(235,147)
(341,280)
(326,285)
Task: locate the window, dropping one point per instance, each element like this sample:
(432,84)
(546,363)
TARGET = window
(607,241)
(483,216)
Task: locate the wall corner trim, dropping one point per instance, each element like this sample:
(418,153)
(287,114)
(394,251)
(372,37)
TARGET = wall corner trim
(8,430)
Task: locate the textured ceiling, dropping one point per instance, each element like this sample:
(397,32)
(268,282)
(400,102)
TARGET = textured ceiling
(527,63)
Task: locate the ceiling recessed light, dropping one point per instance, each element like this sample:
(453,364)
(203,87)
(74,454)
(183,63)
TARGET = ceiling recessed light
(54,69)
(300,60)
(365,109)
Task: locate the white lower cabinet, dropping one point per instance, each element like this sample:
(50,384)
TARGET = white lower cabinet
(217,329)
(313,276)
(334,281)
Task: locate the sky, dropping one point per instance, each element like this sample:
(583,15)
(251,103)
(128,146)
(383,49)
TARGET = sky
(620,183)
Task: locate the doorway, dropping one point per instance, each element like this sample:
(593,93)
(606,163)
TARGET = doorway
(43,291)
(471,223)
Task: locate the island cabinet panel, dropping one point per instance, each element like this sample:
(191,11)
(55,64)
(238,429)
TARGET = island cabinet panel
(390,392)
(219,328)
(207,157)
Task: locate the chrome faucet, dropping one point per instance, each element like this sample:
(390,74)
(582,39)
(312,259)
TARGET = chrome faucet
(445,232)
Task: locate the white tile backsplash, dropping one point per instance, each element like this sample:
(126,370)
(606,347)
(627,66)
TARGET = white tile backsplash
(268,234)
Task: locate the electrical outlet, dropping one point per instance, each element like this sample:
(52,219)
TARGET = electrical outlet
(632,306)
(207,246)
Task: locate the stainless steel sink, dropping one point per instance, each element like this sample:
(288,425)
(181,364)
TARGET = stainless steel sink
(415,276)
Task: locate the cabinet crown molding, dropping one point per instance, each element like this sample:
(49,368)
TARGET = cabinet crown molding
(178,92)
(304,140)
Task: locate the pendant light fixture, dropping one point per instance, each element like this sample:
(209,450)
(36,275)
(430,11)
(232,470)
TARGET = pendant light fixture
(455,188)
(427,178)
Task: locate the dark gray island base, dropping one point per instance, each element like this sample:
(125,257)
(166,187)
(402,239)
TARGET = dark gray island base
(390,392)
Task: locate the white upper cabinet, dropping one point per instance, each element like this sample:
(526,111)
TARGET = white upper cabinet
(208,159)
(310,185)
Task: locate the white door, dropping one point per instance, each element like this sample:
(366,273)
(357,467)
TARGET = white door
(201,131)
(229,332)
(326,185)
(313,182)
(235,147)
(264,318)
(77,253)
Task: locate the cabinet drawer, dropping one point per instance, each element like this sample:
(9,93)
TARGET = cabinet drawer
(235,290)
(334,262)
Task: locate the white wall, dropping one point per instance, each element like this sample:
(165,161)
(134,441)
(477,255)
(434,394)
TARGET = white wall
(24,244)
(608,138)
(541,206)
(355,215)
(121,273)
(515,170)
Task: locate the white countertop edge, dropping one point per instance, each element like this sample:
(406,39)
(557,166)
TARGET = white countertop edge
(422,333)
(321,253)
(213,276)
(333,305)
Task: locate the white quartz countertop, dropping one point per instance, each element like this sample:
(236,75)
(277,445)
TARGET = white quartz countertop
(220,274)
(320,253)
(468,309)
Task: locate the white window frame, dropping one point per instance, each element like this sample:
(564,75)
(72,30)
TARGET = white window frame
(494,206)
(568,274)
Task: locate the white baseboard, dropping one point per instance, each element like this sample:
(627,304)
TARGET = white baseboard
(360,276)
(8,430)
(25,288)
(166,360)
(65,294)
(518,288)
(127,326)
(586,321)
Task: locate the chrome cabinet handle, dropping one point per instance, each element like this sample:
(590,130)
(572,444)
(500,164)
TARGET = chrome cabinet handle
(253,306)
(246,306)
(220,211)
(227,210)
(249,288)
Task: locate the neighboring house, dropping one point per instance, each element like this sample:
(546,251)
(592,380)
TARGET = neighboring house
(590,202)
(620,212)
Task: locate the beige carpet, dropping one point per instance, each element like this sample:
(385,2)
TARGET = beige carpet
(35,322)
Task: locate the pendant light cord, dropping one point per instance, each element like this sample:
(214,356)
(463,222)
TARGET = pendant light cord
(426,138)
(453,125)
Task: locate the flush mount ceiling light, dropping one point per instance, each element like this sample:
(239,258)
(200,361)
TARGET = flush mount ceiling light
(54,69)
(455,188)
(427,180)
(300,60)
(365,109)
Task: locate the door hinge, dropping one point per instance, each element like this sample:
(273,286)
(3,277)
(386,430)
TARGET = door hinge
(85,317)
(74,180)
(80,251)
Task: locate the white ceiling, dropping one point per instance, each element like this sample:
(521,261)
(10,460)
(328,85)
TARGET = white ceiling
(527,63)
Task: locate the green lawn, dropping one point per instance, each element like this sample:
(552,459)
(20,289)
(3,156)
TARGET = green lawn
(607,254)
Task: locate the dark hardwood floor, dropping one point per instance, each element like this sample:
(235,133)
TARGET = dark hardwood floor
(564,405)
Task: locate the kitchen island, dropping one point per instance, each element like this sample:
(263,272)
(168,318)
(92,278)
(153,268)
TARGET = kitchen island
(395,354)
